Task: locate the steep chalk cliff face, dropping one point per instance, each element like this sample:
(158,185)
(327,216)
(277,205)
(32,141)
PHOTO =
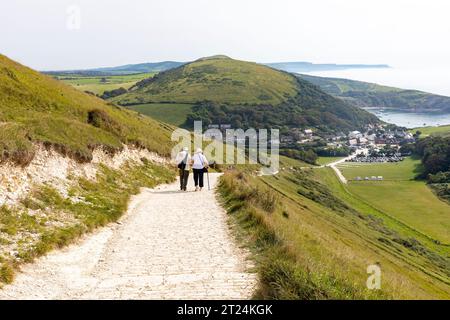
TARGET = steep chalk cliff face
(51,168)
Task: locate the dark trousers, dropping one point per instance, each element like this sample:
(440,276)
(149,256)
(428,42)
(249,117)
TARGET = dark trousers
(184,175)
(198,177)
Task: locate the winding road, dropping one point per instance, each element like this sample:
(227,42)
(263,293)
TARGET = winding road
(169,245)
(334,165)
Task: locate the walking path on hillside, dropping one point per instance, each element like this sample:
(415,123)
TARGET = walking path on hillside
(334,165)
(170,245)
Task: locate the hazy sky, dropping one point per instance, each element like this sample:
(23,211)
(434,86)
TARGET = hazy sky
(113,32)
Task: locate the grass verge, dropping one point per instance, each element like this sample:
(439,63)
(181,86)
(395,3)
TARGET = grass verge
(283,273)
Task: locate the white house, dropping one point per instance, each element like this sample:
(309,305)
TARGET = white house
(355,135)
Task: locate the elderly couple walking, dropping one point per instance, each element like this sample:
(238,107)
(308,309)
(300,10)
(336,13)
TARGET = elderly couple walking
(197,162)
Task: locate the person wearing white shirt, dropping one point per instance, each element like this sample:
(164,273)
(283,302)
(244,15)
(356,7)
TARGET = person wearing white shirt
(199,165)
(183,161)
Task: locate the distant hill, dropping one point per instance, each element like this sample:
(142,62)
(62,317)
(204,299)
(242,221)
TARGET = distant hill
(122,70)
(167,65)
(37,108)
(246,94)
(141,68)
(370,95)
(310,67)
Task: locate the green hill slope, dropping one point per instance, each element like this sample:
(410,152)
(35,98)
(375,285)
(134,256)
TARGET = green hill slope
(370,95)
(37,108)
(246,94)
(218,79)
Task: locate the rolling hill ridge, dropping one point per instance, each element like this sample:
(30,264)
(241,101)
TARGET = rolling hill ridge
(219,79)
(295,66)
(370,95)
(245,94)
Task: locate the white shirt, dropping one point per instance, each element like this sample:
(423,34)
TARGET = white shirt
(200,161)
(181,156)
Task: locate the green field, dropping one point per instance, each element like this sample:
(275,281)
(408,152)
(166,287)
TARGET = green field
(427,131)
(411,202)
(100,84)
(404,170)
(399,196)
(171,113)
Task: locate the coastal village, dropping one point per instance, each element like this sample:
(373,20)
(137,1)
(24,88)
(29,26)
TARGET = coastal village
(380,143)
(376,143)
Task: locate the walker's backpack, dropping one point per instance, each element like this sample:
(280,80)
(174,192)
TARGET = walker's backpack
(182,164)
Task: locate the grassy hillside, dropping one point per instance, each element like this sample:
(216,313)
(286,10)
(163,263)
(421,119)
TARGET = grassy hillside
(218,79)
(171,113)
(37,108)
(246,94)
(435,131)
(313,239)
(370,95)
(405,170)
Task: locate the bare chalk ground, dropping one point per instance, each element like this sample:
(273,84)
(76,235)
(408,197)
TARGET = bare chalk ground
(169,245)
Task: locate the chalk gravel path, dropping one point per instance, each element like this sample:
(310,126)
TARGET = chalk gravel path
(169,245)
(334,165)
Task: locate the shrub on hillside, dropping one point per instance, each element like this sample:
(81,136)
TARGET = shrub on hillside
(440,177)
(113,93)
